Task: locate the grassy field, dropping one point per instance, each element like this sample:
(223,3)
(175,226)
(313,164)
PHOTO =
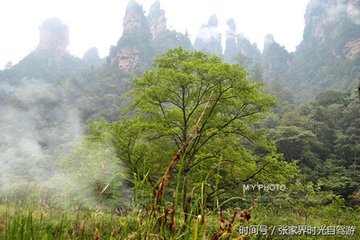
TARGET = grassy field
(39,221)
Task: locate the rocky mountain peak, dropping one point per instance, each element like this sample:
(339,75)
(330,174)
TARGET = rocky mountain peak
(54,38)
(156,19)
(209,38)
(134,18)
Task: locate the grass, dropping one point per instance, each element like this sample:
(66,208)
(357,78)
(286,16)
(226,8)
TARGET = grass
(19,222)
(40,222)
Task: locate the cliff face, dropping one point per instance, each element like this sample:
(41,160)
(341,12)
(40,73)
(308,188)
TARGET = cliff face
(352,49)
(134,20)
(335,22)
(209,38)
(129,59)
(320,14)
(328,58)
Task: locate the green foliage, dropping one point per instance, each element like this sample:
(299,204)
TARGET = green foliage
(102,93)
(171,99)
(207,116)
(324,137)
(280,92)
(193,99)
(44,222)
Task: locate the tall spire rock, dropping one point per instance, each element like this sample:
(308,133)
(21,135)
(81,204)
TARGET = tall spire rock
(231,46)
(209,38)
(133,50)
(157,20)
(54,38)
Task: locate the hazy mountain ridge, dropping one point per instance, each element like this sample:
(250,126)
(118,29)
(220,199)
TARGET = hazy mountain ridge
(328,57)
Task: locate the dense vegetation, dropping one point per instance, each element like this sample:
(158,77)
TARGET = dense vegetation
(174,157)
(324,137)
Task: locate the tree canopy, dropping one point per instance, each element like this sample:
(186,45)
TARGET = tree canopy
(192,121)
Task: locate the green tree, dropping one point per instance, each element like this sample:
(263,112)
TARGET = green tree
(193,118)
(207,109)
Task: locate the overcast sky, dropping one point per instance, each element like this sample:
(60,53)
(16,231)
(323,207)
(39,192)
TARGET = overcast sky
(98,23)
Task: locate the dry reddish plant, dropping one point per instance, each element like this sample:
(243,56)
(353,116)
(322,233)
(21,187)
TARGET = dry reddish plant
(226,226)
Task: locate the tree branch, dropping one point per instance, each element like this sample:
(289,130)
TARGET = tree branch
(256,173)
